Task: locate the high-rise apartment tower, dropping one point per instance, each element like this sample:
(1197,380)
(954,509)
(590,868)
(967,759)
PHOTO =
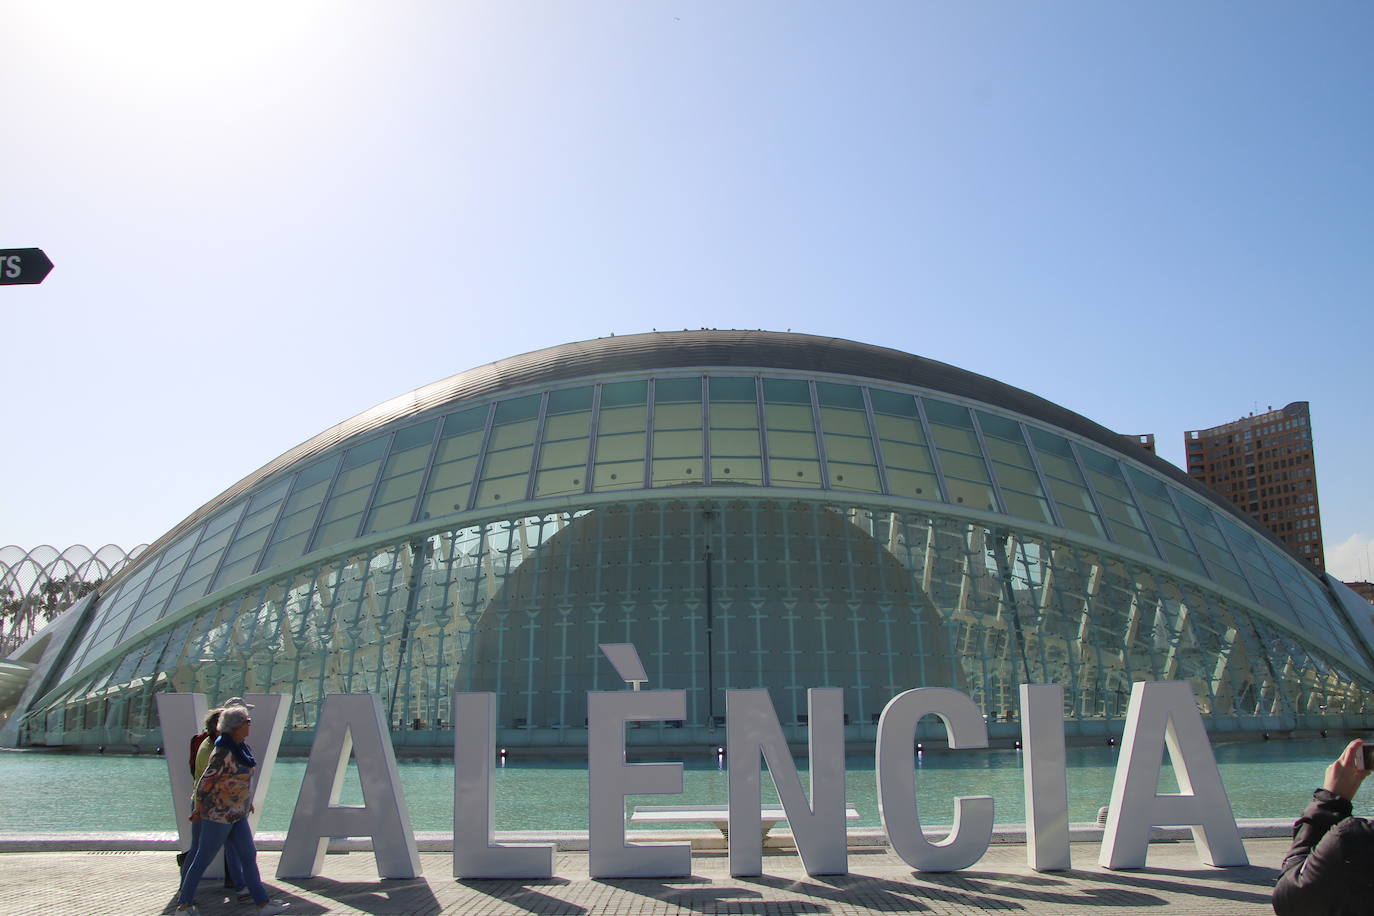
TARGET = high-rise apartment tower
(1264,463)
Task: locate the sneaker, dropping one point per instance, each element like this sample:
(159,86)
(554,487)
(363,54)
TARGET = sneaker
(243,895)
(190,910)
(271,908)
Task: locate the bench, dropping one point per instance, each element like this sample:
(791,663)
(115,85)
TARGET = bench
(719,815)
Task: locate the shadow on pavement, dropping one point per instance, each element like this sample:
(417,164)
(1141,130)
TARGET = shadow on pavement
(872,893)
(409,896)
(1197,883)
(705,899)
(524,895)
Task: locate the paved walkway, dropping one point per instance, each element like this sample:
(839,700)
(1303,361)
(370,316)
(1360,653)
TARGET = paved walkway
(133,883)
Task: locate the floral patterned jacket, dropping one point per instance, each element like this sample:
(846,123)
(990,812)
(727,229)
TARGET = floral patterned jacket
(223,794)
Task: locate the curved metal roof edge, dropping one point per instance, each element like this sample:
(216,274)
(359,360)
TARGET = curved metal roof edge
(714,348)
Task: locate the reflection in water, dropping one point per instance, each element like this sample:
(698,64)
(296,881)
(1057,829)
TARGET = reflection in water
(43,792)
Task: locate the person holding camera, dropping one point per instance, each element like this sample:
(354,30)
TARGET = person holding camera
(1329,870)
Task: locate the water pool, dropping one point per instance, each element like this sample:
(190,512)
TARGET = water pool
(53,792)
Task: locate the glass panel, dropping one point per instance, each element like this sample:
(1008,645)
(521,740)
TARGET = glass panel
(343,510)
(242,554)
(205,558)
(786,391)
(401,477)
(1015,470)
(620,439)
(906,455)
(793,455)
(678,435)
(618,475)
(1066,483)
(300,512)
(1168,527)
(173,561)
(735,446)
(1114,498)
(1208,538)
(854,477)
(848,444)
(498,484)
(1261,580)
(563,454)
(969,493)
(961,459)
(509,451)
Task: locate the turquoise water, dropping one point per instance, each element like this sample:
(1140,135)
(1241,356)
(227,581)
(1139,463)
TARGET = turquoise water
(49,792)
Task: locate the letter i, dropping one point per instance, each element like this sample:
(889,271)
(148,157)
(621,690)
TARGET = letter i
(1044,766)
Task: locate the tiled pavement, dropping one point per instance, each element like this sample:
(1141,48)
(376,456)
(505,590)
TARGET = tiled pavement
(133,883)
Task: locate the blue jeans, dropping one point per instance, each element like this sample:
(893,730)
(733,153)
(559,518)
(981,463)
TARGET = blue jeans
(235,837)
(232,869)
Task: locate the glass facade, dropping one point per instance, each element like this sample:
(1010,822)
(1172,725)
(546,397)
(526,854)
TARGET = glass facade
(858,534)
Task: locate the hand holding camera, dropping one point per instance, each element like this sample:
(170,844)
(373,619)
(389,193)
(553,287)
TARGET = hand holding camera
(1344,775)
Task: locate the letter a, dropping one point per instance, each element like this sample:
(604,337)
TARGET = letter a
(350,719)
(1165,712)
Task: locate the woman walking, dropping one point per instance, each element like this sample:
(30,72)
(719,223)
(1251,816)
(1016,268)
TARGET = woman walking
(223,800)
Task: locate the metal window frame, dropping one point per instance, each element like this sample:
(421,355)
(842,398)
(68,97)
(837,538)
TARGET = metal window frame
(824,463)
(538,448)
(932,448)
(319,510)
(425,475)
(1108,526)
(764,455)
(481,464)
(1145,515)
(1045,490)
(875,441)
(593,434)
(705,430)
(987,464)
(651,392)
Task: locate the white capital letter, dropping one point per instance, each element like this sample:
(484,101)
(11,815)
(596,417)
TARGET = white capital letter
(752,732)
(972,831)
(350,722)
(476,853)
(1165,713)
(611,779)
(181,716)
(1044,763)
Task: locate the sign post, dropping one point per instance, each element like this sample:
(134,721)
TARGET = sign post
(21,266)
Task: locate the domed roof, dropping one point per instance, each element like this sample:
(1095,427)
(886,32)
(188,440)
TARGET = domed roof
(707,348)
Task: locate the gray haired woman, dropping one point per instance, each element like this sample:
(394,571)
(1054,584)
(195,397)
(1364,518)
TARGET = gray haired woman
(223,800)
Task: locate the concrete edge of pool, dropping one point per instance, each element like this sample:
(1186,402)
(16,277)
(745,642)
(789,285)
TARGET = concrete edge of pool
(576,840)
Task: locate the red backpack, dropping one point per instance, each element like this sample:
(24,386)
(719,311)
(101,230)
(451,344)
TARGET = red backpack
(195,746)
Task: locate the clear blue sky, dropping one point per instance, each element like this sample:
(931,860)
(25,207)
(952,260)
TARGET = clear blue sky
(267,218)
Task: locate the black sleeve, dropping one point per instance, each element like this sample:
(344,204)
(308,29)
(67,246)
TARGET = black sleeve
(1330,867)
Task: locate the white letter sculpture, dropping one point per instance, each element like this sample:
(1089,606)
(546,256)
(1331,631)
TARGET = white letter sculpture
(972,831)
(611,779)
(1165,712)
(476,854)
(1044,764)
(350,722)
(753,732)
(182,715)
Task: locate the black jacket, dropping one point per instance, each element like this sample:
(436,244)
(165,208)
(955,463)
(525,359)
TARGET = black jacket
(1329,871)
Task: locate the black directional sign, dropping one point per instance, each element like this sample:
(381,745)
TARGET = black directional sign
(23,265)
